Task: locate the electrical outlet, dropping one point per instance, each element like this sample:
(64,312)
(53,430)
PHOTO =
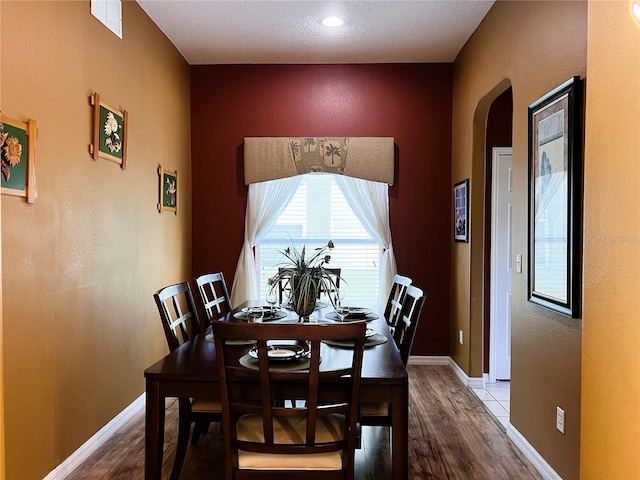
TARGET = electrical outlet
(560,419)
(460,337)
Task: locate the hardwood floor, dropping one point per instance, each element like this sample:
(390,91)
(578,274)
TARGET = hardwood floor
(451,436)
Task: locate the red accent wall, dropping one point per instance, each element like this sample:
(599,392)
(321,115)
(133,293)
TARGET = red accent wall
(410,102)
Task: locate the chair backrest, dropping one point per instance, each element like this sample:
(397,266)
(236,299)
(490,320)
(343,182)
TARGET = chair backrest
(407,325)
(213,292)
(284,288)
(393,309)
(335,273)
(178,314)
(316,397)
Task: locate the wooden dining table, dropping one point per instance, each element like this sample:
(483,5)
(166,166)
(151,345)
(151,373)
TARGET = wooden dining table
(191,371)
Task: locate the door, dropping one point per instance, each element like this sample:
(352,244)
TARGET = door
(501,262)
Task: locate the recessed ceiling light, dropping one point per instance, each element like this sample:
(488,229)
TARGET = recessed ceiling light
(332,22)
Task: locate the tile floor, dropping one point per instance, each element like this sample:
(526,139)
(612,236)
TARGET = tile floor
(496,398)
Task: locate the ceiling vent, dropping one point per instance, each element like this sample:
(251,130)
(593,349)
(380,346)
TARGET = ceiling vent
(108,12)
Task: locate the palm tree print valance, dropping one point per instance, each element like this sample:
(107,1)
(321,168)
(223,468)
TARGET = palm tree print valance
(269,158)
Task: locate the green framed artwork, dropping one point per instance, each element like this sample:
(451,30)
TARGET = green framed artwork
(17,152)
(109,132)
(168,191)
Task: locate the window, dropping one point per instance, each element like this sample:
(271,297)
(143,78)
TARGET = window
(109,12)
(318,213)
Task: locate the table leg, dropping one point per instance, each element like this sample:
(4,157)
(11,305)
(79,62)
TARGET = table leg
(153,432)
(400,432)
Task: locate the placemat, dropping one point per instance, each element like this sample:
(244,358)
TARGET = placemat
(373,340)
(368,317)
(209,338)
(319,305)
(301,364)
(276,316)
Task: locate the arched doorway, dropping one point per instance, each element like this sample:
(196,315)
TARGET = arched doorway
(486,132)
(497,238)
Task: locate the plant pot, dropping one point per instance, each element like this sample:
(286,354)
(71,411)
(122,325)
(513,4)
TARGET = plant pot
(304,305)
(304,300)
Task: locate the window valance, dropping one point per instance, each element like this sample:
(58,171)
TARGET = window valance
(270,158)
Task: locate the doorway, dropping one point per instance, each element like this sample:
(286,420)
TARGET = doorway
(501,262)
(497,238)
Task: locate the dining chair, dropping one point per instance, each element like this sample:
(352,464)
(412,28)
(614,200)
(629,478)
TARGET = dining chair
(267,438)
(379,413)
(407,325)
(213,293)
(181,323)
(393,309)
(284,289)
(336,273)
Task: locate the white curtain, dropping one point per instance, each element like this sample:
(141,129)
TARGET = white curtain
(265,203)
(370,202)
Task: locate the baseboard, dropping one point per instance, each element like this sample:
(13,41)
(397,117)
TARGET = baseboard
(81,454)
(429,360)
(534,457)
(516,437)
(63,470)
(471,382)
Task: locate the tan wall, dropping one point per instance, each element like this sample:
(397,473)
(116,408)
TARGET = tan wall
(81,264)
(2,441)
(534,47)
(611,337)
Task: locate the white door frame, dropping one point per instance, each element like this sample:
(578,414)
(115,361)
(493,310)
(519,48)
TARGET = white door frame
(493,344)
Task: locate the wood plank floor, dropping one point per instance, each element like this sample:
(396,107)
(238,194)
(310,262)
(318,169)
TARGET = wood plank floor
(451,436)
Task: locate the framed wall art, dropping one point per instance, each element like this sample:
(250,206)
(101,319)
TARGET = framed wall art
(555,199)
(17,152)
(109,132)
(461,211)
(168,191)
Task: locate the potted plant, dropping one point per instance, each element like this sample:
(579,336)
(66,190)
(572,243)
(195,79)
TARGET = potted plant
(304,276)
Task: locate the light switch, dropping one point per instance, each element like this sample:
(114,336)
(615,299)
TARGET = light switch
(519,263)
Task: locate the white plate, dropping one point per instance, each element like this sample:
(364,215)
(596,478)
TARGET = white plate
(280,352)
(267,314)
(264,309)
(333,316)
(319,305)
(359,311)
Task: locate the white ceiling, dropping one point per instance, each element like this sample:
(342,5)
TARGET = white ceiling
(267,31)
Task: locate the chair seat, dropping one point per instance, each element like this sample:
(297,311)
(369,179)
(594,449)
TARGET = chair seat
(203,406)
(374,409)
(290,430)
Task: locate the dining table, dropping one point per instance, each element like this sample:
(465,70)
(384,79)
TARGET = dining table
(191,371)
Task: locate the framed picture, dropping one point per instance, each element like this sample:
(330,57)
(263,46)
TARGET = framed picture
(555,199)
(461,211)
(109,132)
(18,152)
(168,191)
